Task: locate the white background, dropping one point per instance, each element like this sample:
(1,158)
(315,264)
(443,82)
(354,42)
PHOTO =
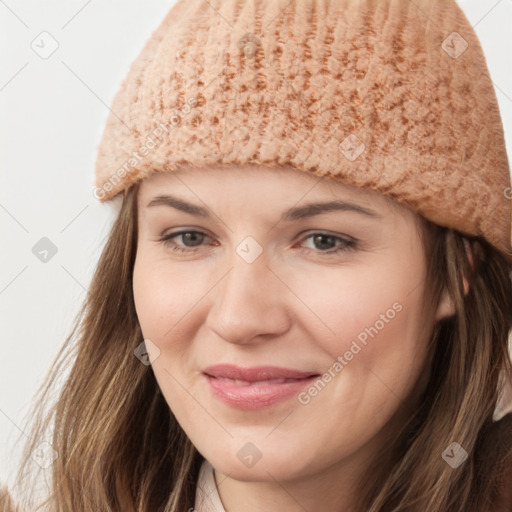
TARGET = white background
(53,113)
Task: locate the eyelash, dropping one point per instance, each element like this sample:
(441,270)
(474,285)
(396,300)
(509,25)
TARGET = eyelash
(347,244)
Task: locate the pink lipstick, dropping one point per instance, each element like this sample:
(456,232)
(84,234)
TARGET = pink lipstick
(256,387)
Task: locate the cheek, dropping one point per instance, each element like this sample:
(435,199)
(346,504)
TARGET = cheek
(164,301)
(372,334)
(163,296)
(346,304)
(150,298)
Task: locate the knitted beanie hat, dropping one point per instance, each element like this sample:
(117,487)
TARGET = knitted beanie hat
(389,95)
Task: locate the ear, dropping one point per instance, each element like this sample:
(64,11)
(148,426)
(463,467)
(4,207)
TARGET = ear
(446,307)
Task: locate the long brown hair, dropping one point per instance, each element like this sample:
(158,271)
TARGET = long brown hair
(120,448)
(468,352)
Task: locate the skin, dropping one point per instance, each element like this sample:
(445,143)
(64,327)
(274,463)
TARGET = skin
(295,306)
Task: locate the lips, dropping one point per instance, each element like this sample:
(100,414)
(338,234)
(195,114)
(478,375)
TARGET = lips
(255,388)
(256,374)
(264,382)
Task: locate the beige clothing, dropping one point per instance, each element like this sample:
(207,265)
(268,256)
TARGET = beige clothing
(207,495)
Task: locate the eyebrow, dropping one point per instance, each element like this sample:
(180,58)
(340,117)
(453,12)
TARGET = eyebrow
(295,213)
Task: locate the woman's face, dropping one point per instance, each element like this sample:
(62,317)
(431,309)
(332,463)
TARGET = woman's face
(254,275)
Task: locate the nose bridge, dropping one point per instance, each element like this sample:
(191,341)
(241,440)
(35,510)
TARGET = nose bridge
(250,300)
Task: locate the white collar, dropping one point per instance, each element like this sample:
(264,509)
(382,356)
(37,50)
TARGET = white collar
(207,495)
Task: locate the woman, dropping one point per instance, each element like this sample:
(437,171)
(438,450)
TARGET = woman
(225,358)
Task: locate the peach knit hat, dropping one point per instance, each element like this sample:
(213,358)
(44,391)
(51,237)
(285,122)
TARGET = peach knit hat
(390,95)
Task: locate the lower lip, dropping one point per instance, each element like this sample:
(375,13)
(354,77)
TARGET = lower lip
(255,396)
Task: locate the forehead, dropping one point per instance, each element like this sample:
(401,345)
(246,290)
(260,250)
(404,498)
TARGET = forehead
(285,183)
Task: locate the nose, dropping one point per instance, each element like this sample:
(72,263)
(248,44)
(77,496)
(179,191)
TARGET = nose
(249,303)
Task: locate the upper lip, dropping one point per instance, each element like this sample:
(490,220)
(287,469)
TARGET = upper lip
(256,373)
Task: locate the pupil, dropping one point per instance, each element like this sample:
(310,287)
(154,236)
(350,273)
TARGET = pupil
(190,236)
(321,237)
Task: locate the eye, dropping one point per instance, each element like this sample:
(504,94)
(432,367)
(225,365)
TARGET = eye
(194,238)
(326,241)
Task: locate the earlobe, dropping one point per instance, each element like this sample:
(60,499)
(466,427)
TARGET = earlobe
(469,253)
(466,286)
(445,307)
